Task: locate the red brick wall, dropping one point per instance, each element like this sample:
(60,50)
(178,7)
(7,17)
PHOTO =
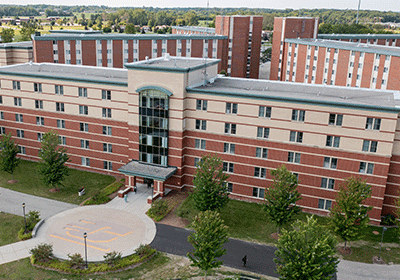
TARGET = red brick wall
(130,51)
(144,49)
(89,52)
(239,46)
(61,54)
(104,52)
(255,47)
(43,51)
(197,48)
(342,68)
(73,51)
(393,77)
(171,47)
(118,60)
(367,70)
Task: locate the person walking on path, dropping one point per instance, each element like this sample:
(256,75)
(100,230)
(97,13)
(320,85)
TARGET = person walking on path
(126,197)
(244,260)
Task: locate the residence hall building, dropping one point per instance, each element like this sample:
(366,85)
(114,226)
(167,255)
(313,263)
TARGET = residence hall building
(16,53)
(236,41)
(351,60)
(157,129)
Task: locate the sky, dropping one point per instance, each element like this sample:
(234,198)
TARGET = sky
(381,5)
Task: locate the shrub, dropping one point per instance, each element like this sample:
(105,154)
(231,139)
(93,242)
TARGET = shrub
(42,252)
(111,188)
(24,236)
(33,218)
(112,258)
(97,198)
(75,261)
(158,210)
(143,250)
(389,220)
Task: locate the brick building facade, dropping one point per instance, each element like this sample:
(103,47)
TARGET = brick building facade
(124,121)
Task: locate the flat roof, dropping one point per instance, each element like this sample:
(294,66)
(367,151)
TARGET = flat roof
(196,28)
(358,36)
(146,170)
(74,31)
(104,75)
(173,64)
(118,36)
(324,95)
(17,45)
(360,47)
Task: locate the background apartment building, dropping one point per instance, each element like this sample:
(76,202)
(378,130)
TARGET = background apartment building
(15,53)
(125,121)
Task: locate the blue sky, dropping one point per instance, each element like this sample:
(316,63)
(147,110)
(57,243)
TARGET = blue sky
(383,5)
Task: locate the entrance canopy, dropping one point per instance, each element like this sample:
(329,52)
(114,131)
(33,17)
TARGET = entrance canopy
(145,170)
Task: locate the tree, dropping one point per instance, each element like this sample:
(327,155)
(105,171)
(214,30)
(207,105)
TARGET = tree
(348,217)
(211,191)
(130,28)
(306,252)
(52,165)
(281,197)
(8,155)
(7,35)
(26,31)
(207,240)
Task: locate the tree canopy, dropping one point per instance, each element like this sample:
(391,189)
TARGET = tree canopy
(8,154)
(211,191)
(7,35)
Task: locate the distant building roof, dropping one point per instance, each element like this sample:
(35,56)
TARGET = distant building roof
(358,36)
(72,31)
(17,45)
(360,47)
(195,29)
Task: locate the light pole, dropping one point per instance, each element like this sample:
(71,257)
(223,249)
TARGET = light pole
(84,237)
(380,248)
(23,210)
(359,3)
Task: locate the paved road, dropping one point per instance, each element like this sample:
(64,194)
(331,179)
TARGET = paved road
(11,202)
(173,240)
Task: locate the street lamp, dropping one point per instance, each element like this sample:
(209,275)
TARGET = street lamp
(23,210)
(359,3)
(380,248)
(84,237)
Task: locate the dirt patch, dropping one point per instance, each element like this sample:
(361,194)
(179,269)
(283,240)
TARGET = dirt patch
(12,181)
(175,197)
(274,236)
(344,251)
(54,190)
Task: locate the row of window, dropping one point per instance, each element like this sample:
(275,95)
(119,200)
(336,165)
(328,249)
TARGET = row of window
(297,115)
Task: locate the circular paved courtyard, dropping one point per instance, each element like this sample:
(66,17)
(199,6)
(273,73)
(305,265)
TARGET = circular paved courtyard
(107,230)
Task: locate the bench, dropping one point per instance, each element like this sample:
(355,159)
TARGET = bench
(121,193)
(81,192)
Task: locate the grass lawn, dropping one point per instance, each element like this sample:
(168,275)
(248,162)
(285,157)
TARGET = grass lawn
(29,182)
(9,227)
(247,221)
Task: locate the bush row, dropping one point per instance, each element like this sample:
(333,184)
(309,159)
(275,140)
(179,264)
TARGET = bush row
(159,209)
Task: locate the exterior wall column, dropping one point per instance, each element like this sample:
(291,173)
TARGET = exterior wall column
(161,188)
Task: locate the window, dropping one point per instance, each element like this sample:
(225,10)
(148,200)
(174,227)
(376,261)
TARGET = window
(229,148)
(200,144)
(197,161)
(201,124)
(63,140)
(20,133)
(335,119)
(107,165)
(366,167)
(16,85)
(17,101)
(230,187)
(332,141)
(59,89)
(264,112)
(296,136)
(369,146)
(294,157)
(327,183)
(106,113)
(228,167)
(85,161)
(107,130)
(84,127)
(83,110)
(230,128)
(39,120)
(324,204)
(258,192)
(263,132)
(330,162)
(40,137)
(37,87)
(260,172)
(231,108)
(60,123)
(298,115)
(39,104)
(21,150)
(19,118)
(201,105)
(106,94)
(261,152)
(1,115)
(82,92)
(59,107)
(3,130)
(85,144)
(107,147)
(373,123)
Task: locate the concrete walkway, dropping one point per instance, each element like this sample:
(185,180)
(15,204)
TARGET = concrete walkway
(11,202)
(136,205)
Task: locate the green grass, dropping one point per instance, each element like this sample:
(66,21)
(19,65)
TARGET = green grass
(366,252)
(9,227)
(30,182)
(101,197)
